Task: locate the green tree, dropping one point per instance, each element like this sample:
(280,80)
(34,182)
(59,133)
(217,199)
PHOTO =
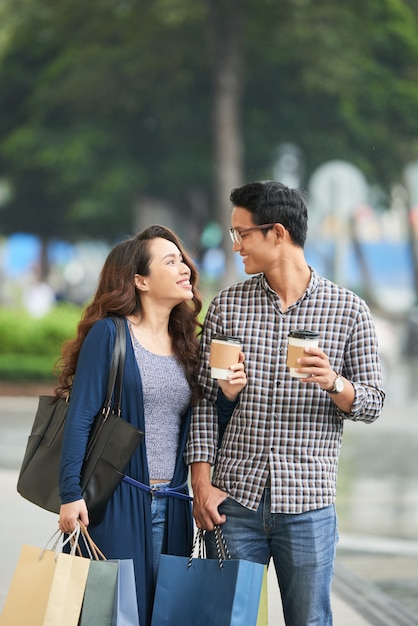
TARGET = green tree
(99,111)
(338,79)
(106,102)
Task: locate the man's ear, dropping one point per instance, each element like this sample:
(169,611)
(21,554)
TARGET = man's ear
(279,231)
(141,282)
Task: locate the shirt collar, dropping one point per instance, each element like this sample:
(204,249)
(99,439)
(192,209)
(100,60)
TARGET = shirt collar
(312,285)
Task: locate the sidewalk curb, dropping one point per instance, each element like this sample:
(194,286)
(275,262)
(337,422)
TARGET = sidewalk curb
(370,601)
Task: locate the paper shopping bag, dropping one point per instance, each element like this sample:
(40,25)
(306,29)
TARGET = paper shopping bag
(199,592)
(47,589)
(99,594)
(263,615)
(67,590)
(125,607)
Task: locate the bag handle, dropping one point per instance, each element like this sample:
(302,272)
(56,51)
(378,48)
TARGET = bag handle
(121,350)
(93,550)
(117,367)
(115,380)
(221,546)
(58,535)
(199,543)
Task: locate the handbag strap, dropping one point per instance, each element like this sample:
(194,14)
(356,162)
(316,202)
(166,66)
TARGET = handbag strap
(117,366)
(114,381)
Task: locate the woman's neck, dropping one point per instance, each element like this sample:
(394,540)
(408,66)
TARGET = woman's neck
(152,334)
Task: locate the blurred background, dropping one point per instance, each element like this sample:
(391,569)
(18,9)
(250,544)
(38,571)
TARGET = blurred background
(115,114)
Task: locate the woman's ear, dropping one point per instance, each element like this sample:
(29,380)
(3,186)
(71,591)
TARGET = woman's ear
(141,282)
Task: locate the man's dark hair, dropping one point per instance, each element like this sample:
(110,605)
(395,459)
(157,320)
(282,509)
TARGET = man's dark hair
(271,202)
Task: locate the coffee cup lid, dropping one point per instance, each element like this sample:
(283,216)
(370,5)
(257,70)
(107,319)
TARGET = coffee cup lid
(301,333)
(228,338)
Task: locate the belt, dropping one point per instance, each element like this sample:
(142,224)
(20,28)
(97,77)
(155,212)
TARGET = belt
(159,492)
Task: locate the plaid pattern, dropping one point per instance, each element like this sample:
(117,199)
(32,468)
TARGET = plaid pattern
(280,430)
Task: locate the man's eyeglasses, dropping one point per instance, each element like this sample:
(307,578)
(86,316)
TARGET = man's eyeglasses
(236,233)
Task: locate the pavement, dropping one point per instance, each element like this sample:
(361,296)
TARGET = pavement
(356,599)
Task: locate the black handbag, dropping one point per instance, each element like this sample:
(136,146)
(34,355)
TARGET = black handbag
(112,442)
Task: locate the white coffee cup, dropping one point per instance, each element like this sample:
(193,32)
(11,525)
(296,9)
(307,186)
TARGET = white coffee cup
(224,351)
(299,339)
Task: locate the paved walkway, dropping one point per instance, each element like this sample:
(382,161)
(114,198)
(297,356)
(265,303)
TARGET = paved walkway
(356,602)
(22,522)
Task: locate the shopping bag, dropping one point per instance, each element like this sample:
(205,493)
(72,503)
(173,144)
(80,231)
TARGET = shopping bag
(207,592)
(263,609)
(99,594)
(110,597)
(47,588)
(125,606)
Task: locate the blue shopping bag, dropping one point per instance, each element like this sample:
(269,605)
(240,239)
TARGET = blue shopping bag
(207,592)
(125,606)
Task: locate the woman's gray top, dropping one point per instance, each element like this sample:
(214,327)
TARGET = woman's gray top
(166,396)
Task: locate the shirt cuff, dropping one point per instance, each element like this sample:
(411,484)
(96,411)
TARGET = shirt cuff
(358,404)
(224,404)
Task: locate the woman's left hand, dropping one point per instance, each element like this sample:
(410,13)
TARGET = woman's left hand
(70,513)
(237,379)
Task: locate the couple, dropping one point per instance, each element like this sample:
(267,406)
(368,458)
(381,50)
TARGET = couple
(274,481)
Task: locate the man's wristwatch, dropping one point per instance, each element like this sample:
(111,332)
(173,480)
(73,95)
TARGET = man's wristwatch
(338,386)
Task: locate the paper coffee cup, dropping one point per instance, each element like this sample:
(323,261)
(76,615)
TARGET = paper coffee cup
(224,351)
(299,339)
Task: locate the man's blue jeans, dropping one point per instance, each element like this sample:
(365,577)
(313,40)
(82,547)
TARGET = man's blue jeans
(302,547)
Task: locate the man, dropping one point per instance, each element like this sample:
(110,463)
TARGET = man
(274,479)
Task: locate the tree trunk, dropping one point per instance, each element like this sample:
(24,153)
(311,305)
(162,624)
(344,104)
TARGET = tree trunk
(44,266)
(225,19)
(413,246)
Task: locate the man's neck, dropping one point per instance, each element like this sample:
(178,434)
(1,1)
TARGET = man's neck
(290,281)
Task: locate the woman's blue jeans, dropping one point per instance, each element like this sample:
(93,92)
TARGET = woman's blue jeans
(158,513)
(302,547)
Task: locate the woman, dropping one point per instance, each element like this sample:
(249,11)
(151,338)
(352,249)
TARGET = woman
(150,281)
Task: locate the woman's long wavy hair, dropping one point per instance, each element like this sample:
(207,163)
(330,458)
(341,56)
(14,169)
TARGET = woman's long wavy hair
(117,294)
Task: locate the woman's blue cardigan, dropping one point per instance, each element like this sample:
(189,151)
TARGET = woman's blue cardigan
(125,531)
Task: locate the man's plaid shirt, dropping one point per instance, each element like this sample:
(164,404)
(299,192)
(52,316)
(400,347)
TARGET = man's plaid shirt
(280,429)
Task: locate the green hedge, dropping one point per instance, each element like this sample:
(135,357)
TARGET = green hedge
(30,347)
